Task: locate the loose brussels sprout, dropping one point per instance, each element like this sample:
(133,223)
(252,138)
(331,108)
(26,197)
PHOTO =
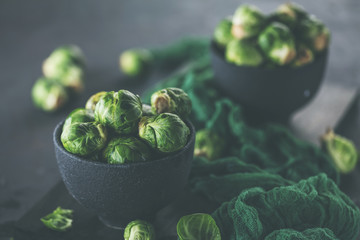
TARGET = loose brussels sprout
(199,226)
(79,115)
(314,33)
(139,230)
(59,219)
(222,33)
(304,56)
(120,110)
(135,62)
(126,150)
(172,100)
(341,150)
(49,95)
(146,110)
(66,65)
(165,132)
(93,100)
(84,139)
(278,44)
(243,53)
(247,22)
(208,144)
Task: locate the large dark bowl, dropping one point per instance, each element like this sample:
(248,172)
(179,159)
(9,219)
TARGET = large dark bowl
(121,193)
(272,94)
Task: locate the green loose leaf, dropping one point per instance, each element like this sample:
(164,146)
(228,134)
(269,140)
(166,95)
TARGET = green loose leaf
(139,230)
(59,220)
(120,111)
(165,132)
(199,226)
(171,100)
(126,150)
(84,138)
(341,150)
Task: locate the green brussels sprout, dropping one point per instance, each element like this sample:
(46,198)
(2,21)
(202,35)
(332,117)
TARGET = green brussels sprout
(208,144)
(65,64)
(165,132)
(126,150)
(120,111)
(243,53)
(146,110)
(314,33)
(49,95)
(84,138)
(59,220)
(278,43)
(247,22)
(139,230)
(341,150)
(222,33)
(172,100)
(304,56)
(93,100)
(79,115)
(293,11)
(135,62)
(199,226)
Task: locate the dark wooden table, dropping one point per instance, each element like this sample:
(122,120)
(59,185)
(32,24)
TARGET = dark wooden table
(30,30)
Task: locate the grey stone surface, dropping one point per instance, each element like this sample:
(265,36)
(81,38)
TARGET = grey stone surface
(30,30)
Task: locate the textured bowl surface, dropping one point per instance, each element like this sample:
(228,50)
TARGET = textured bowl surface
(121,193)
(270,93)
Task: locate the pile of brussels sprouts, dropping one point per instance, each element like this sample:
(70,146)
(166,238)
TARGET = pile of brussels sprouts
(289,36)
(115,127)
(63,75)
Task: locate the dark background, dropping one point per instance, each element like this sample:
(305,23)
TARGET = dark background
(30,30)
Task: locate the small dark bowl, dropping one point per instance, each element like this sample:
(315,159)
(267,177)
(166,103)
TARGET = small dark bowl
(271,94)
(121,193)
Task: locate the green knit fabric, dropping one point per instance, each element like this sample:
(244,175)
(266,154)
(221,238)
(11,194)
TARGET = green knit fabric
(316,202)
(312,233)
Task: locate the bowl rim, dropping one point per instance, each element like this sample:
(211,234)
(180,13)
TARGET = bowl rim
(58,145)
(215,50)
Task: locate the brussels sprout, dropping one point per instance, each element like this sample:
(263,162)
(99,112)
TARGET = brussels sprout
(66,65)
(341,150)
(93,100)
(135,62)
(292,11)
(84,139)
(222,33)
(208,144)
(199,226)
(165,132)
(79,115)
(243,53)
(172,100)
(314,33)
(59,219)
(304,56)
(278,44)
(247,22)
(146,110)
(49,95)
(120,110)
(139,230)
(126,150)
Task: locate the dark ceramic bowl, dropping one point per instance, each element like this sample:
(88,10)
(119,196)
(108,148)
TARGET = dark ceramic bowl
(121,193)
(272,94)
